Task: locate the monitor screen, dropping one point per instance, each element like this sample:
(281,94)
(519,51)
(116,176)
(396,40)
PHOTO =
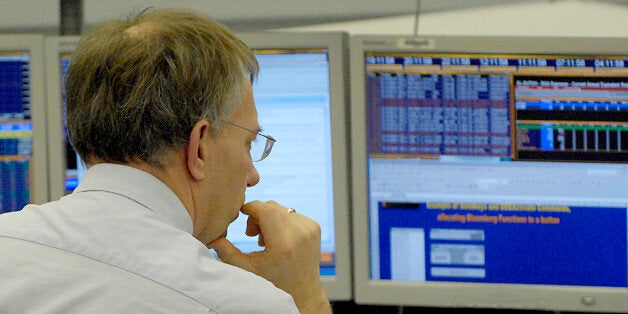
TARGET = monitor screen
(23,175)
(301,99)
(490,172)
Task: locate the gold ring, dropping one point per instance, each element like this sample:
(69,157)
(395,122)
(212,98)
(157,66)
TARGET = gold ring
(291,210)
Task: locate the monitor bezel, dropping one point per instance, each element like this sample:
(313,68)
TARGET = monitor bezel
(454,294)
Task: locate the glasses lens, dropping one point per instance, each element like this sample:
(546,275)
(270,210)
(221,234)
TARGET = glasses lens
(260,148)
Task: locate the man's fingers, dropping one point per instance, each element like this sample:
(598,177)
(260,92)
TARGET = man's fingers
(264,216)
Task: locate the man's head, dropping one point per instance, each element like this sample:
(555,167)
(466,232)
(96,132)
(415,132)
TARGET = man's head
(162,92)
(136,88)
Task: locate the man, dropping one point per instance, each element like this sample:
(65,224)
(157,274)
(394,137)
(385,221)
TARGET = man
(161,109)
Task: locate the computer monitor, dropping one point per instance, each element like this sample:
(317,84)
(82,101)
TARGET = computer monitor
(65,165)
(23,173)
(301,97)
(490,172)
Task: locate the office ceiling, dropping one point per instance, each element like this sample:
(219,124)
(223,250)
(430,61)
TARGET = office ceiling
(70,16)
(244,15)
(290,13)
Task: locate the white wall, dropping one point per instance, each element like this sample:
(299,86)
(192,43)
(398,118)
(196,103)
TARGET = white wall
(533,18)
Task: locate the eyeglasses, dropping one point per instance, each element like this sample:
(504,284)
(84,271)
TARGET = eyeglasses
(261,146)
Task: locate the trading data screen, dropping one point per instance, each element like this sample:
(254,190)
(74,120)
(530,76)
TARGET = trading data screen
(479,162)
(16,131)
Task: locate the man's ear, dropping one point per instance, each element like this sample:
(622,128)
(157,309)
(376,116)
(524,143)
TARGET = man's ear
(197,149)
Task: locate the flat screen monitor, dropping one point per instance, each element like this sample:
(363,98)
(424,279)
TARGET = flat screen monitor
(490,172)
(23,172)
(301,97)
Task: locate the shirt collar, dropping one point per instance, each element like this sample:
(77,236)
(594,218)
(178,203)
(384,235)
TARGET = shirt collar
(139,186)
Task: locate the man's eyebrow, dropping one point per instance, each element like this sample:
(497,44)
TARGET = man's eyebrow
(255,131)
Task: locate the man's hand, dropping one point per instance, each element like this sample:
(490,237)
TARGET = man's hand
(291,254)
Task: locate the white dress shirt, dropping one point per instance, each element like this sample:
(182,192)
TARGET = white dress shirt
(121,243)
